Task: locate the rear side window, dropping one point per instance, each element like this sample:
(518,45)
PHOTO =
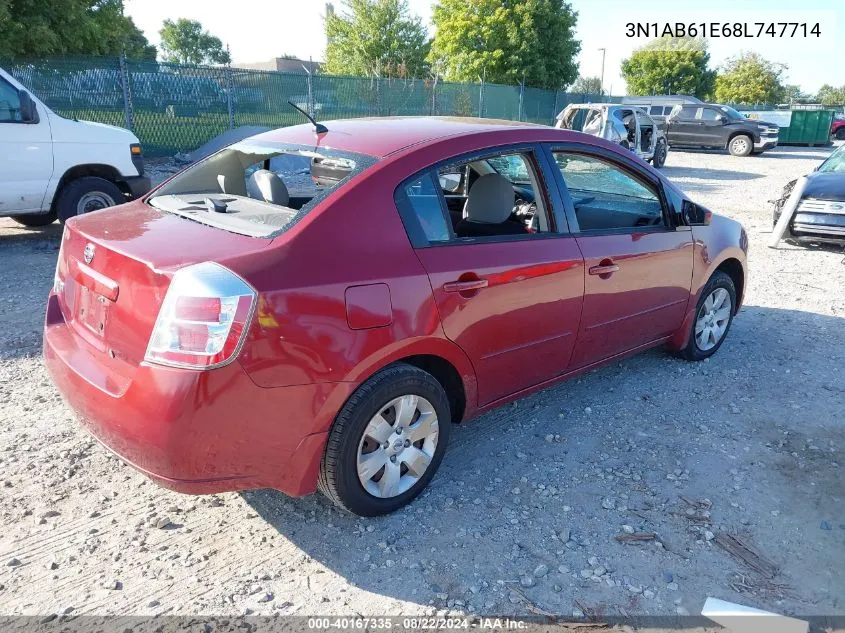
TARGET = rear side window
(424,200)
(607,197)
(687,112)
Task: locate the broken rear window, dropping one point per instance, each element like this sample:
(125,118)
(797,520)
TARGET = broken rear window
(258,188)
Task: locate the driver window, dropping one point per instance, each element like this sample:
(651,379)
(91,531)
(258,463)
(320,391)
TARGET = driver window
(710,114)
(607,197)
(10,103)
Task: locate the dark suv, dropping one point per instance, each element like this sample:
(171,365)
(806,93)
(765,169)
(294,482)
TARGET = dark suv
(718,126)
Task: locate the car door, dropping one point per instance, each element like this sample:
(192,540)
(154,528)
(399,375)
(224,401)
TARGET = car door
(711,129)
(511,302)
(26,155)
(638,265)
(683,126)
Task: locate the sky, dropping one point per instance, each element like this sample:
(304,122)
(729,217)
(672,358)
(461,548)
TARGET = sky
(263,30)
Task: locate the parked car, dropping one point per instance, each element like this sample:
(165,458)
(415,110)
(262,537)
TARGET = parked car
(55,167)
(222,334)
(659,107)
(837,127)
(627,126)
(716,126)
(820,215)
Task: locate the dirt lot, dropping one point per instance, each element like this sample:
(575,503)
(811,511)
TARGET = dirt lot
(526,510)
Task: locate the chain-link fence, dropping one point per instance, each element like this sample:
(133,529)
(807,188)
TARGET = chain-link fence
(176,108)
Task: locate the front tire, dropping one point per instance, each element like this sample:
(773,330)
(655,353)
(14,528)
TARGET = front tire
(387,442)
(35,219)
(87,194)
(713,317)
(840,134)
(740,145)
(660,153)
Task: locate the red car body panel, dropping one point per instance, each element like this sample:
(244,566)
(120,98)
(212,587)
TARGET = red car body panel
(341,295)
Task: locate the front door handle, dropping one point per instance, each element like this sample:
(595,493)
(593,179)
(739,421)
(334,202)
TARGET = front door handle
(605,268)
(465,286)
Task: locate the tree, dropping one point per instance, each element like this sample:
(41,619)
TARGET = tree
(749,78)
(670,65)
(793,94)
(587,86)
(184,41)
(376,38)
(506,42)
(32,28)
(828,95)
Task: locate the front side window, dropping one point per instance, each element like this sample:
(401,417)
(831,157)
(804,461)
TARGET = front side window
(10,103)
(607,197)
(710,114)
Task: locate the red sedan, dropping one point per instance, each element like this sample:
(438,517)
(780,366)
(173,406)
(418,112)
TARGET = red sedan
(308,310)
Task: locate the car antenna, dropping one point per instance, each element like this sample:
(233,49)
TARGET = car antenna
(319,128)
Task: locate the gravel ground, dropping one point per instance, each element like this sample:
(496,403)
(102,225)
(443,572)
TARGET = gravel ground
(526,510)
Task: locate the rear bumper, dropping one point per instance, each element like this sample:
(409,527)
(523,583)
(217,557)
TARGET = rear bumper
(190,431)
(138,185)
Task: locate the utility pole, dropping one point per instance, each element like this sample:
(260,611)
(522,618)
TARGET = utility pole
(601,85)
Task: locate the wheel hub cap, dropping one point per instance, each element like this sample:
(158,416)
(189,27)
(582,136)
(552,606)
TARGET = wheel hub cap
(713,319)
(397,446)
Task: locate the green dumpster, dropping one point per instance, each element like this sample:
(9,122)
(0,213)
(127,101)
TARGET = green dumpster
(807,127)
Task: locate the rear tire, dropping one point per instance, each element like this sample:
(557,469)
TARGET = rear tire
(840,134)
(35,219)
(740,145)
(712,320)
(87,194)
(354,437)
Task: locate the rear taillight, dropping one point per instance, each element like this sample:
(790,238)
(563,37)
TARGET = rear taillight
(58,282)
(203,320)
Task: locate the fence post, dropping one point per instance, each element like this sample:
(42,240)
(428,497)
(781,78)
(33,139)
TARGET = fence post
(554,107)
(481,99)
(127,93)
(521,92)
(230,97)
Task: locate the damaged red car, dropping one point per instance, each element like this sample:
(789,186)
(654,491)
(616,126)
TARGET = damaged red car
(311,309)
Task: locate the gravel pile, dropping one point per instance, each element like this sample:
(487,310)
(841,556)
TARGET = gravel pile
(640,488)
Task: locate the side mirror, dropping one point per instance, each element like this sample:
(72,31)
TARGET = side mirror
(723,118)
(695,215)
(29,113)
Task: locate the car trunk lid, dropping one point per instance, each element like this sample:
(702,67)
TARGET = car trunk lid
(115,267)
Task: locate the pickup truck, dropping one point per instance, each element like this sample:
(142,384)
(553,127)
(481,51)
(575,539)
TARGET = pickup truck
(719,127)
(837,127)
(53,167)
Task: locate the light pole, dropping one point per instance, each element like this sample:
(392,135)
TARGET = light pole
(601,85)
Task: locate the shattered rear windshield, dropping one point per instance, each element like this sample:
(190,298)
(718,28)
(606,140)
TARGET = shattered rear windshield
(258,188)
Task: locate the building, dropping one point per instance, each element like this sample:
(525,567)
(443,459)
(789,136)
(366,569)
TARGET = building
(282,65)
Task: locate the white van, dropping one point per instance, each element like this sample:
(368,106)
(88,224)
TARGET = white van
(55,167)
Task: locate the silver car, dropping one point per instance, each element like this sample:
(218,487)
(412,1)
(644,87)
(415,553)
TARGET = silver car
(625,125)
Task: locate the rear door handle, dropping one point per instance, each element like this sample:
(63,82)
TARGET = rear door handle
(465,286)
(604,268)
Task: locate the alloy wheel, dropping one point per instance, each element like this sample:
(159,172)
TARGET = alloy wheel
(740,145)
(397,446)
(713,319)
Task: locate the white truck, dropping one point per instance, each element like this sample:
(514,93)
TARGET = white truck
(53,167)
